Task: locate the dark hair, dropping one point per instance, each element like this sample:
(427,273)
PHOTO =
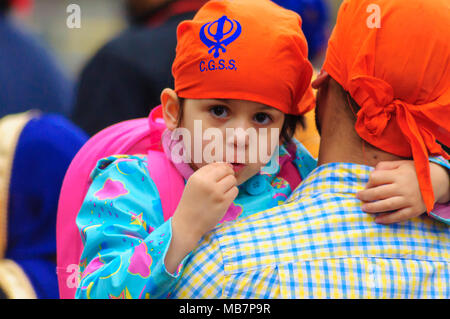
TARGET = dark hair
(4,5)
(445,147)
(290,125)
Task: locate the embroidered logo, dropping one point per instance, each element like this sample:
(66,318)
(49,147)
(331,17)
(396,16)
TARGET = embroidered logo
(219,34)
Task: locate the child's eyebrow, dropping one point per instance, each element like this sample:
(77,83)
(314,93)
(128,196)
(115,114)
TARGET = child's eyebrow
(225,101)
(219,101)
(230,102)
(265,107)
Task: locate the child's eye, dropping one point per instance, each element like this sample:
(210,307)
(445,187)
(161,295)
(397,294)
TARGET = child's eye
(219,111)
(262,118)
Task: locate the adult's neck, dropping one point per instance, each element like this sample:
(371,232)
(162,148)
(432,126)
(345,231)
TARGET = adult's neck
(340,142)
(337,150)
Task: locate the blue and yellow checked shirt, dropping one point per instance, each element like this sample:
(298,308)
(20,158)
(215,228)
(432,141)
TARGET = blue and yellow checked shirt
(321,245)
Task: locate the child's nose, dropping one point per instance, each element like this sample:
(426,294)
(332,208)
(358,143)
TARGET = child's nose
(238,137)
(237,144)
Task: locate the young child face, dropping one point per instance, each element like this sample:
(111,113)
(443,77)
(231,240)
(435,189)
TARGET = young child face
(244,128)
(237,116)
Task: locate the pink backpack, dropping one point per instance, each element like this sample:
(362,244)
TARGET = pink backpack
(139,136)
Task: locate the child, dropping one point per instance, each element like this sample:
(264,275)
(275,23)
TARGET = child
(240,64)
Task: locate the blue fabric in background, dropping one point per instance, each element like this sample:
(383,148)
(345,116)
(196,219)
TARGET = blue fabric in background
(29,77)
(315,16)
(45,149)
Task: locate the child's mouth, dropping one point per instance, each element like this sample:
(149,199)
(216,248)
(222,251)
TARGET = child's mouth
(237,166)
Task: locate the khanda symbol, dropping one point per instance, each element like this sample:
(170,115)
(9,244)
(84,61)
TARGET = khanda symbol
(226,32)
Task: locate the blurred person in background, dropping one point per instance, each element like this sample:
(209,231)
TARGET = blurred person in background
(315,15)
(29,75)
(35,152)
(125,78)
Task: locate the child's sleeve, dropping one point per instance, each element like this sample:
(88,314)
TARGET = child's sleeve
(124,234)
(441,212)
(303,160)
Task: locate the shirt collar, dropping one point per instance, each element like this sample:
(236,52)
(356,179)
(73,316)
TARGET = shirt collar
(343,178)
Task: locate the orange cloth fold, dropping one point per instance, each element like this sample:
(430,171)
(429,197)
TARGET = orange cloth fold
(244,49)
(399,74)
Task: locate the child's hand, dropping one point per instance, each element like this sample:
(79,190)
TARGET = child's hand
(393,191)
(207,196)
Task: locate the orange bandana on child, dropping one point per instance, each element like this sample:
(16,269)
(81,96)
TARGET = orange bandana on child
(244,49)
(393,57)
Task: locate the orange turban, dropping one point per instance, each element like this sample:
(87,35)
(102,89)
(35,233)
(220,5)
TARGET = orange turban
(396,66)
(244,49)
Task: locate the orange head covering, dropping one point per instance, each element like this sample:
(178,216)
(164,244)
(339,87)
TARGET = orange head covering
(393,57)
(244,49)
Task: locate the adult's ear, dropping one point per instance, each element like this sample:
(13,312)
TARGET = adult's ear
(320,80)
(171,108)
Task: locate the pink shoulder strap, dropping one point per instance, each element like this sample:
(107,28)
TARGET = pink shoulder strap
(168,181)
